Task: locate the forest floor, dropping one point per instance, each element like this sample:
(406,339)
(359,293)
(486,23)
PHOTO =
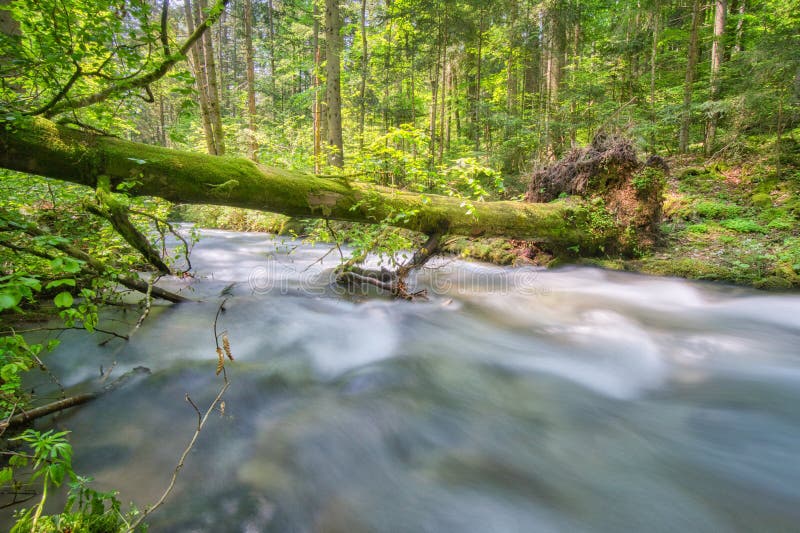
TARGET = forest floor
(738,223)
(735,222)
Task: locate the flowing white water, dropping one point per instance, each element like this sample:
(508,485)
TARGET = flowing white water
(516,400)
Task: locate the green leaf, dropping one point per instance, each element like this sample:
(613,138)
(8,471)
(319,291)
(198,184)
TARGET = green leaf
(63,299)
(6,475)
(8,300)
(60,282)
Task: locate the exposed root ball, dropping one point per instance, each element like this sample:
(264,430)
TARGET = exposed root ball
(606,163)
(608,170)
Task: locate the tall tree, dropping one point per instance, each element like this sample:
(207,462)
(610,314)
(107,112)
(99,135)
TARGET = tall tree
(362,90)
(197,64)
(688,84)
(333,25)
(210,72)
(717,56)
(251,79)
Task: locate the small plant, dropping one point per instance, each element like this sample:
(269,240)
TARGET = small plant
(743,225)
(716,210)
(698,228)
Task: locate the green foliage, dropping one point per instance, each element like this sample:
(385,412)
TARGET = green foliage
(698,228)
(50,462)
(648,179)
(716,210)
(743,225)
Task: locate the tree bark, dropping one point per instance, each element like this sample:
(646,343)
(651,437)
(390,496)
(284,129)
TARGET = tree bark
(717,53)
(333,83)
(362,100)
(213,89)
(38,146)
(200,80)
(317,106)
(739,44)
(688,85)
(251,79)
(478,84)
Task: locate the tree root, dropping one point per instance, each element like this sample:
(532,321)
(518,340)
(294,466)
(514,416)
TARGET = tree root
(394,281)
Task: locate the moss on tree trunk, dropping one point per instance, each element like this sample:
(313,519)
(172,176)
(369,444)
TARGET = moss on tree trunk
(39,146)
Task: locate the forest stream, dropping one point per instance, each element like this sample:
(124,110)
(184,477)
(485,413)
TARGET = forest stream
(513,400)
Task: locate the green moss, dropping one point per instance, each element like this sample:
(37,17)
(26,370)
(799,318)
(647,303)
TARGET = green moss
(716,210)
(698,228)
(761,200)
(648,179)
(782,224)
(497,251)
(743,225)
(773,283)
(685,267)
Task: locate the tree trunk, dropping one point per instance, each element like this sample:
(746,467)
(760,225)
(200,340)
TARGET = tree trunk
(213,89)
(434,81)
(333,83)
(655,21)
(478,85)
(362,97)
(739,45)
(273,71)
(317,107)
(251,79)
(557,43)
(688,85)
(717,52)
(39,146)
(200,79)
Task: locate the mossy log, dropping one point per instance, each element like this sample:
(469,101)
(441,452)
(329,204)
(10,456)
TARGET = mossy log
(39,146)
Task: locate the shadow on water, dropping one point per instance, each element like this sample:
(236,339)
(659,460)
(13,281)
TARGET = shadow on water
(516,400)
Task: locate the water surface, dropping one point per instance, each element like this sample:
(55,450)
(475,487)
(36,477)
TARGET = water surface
(515,400)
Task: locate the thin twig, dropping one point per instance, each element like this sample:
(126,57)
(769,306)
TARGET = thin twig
(201,422)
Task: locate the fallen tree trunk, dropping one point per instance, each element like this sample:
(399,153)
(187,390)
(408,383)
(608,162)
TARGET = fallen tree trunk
(39,146)
(72,401)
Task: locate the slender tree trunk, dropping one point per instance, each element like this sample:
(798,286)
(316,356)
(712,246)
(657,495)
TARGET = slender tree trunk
(445,78)
(387,66)
(478,83)
(717,55)
(273,71)
(688,85)
(251,79)
(739,46)
(362,100)
(317,109)
(213,89)
(655,21)
(333,81)
(437,68)
(555,64)
(198,69)
(162,121)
